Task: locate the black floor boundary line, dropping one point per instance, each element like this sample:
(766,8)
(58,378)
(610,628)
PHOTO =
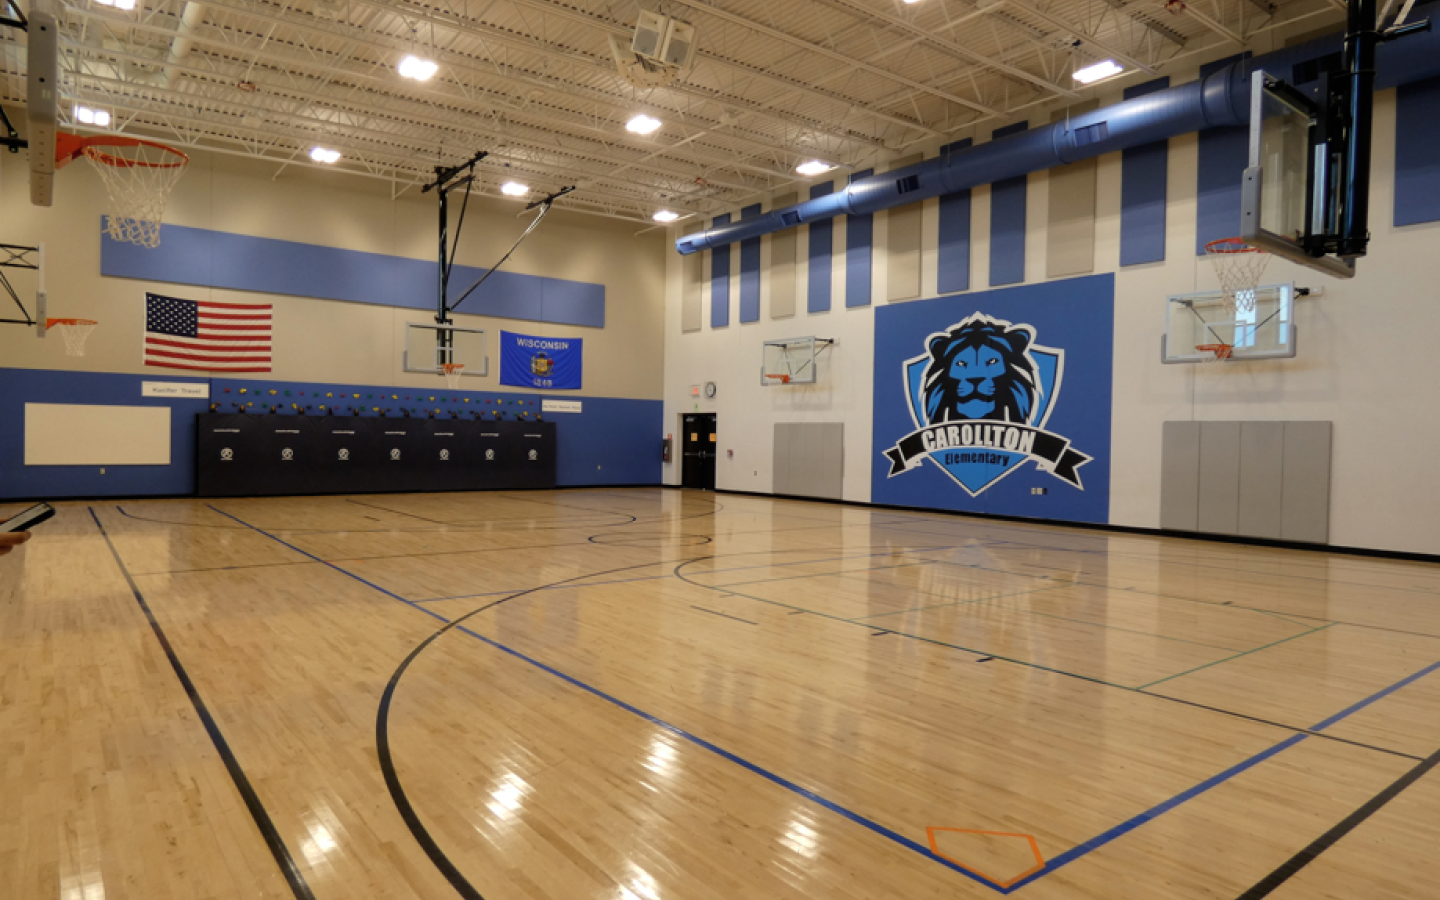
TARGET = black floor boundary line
(283,859)
(84,499)
(1265,886)
(723,615)
(1117,529)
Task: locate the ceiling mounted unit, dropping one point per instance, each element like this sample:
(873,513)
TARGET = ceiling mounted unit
(649,34)
(679,47)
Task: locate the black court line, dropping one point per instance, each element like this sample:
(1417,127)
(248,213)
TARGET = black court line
(1287,870)
(723,615)
(283,859)
(181,524)
(483,523)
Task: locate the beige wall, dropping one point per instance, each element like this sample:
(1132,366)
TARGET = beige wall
(1363,362)
(327,340)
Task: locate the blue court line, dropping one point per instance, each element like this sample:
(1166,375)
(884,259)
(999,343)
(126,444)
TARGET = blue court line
(1051,865)
(1136,821)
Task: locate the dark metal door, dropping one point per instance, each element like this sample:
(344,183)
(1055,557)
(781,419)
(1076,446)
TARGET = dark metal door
(699,443)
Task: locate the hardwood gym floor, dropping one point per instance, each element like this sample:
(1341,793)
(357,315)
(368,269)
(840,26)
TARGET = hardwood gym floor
(665,695)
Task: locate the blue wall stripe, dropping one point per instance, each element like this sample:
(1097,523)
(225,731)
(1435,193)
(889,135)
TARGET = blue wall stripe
(720,280)
(750,271)
(206,258)
(859,240)
(1144,172)
(1223,155)
(822,249)
(1007,222)
(1417,153)
(953,245)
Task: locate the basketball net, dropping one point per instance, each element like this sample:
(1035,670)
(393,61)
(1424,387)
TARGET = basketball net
(138,178)
(453,373)
(74,331)
(1239,267)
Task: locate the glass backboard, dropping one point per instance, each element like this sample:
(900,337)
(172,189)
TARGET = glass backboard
(1289,192)
(1201,319)
(428,347)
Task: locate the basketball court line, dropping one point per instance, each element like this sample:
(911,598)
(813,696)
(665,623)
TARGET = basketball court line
(961,647)
(281,853)
(1176,597)
(661,577)
(1233,569)
(397,512)
(1236,656)
(1051,865)
(991,656)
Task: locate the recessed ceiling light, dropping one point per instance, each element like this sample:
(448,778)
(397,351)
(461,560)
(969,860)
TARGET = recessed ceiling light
(643,124)
(126,5)
(87,116)
(1092,74)
(666,215)
(419,69)
(323,155)
(813,167)
(514,189)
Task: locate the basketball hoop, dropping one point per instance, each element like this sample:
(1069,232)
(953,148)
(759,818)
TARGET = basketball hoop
(138,176)
(453,374)
(74,331)
(781,377)
(1220,351)
(1239,266)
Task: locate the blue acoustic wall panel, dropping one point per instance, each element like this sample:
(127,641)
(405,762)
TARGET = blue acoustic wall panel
(1223,155)
(220,259)
(822,249)
(859,238)
(750,271)
(953,265)
(1007,222)
(1417,153)
(1143,174)
(720,280)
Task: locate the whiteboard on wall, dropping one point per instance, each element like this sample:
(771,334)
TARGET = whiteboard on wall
(73,434)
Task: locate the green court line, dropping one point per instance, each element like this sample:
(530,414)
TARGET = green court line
(1031,612)
(816,575)
(953,603)
(1104,586)
(1236,656)
(1020,662)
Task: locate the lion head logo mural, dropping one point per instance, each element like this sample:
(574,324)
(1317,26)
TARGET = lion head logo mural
(980,397)
(981,369)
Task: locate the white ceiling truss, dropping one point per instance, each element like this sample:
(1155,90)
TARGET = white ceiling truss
(774,82)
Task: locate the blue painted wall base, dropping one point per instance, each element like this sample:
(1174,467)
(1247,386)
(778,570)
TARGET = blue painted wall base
(612,441)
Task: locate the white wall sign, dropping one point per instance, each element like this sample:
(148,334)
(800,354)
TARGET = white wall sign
(173,389)
(559,406)
(68,434)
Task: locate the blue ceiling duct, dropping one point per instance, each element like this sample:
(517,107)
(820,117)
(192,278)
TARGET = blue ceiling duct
(1222,98)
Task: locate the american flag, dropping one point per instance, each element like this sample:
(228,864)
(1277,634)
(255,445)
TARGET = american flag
(221,337)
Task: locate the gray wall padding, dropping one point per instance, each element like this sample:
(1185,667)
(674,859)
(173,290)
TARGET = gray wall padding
(809,459)
(1256,479)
